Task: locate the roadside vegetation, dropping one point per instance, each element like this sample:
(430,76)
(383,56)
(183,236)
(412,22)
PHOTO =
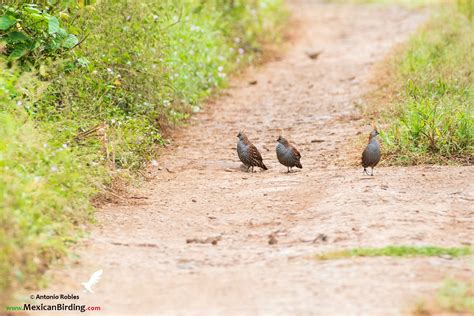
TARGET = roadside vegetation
(396,251)
(87,91)
(455,297)
(430,93)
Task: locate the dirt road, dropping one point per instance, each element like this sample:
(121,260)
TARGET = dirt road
(200,191)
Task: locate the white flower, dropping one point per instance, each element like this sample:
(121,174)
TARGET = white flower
(45,145)
(237,40)
(155,18)
(19,103)
(220,68)
(221,74)
(154,163)
(241,51)
(110,71)
(64,145)
(54,169)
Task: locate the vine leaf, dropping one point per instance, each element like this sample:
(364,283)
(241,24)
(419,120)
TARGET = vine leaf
(6,21)
(53,25)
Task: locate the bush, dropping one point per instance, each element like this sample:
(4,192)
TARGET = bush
(30,33)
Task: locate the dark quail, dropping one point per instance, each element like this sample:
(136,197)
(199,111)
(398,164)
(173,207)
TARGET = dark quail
(287,154)
(248,153)
(371,155)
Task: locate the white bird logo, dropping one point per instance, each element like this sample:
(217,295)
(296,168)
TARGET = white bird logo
(95,277)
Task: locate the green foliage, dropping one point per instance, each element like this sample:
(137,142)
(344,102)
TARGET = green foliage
(30,34)
(44,193)
(147,66)
(80,114)
(397,251)
(466,7)
(433,121)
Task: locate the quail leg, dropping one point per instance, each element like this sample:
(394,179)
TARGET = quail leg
(372,174)
(248,168)
(365,172)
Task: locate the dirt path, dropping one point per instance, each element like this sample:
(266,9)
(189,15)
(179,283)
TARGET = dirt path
(200,192)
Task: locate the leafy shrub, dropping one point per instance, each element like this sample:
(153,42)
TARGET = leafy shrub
(31,34)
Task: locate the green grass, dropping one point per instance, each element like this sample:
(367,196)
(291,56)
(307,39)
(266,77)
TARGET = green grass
(79,118)
(430,119)
(454,297)
(405,3)
(44,193)
(396,251)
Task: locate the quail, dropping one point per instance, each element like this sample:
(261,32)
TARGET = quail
(287,154)
(248,153)
(371,155)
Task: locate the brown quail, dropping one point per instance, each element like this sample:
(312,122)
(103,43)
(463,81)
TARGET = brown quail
(371,155)
(248,153)
(287,154)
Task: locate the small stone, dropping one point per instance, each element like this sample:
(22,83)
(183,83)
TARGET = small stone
(272,239)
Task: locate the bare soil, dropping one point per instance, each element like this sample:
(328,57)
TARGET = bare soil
(200,190)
